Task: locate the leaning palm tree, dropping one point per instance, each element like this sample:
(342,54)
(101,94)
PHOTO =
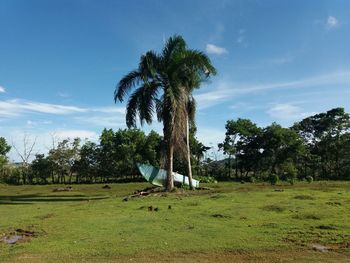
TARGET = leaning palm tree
(160,85)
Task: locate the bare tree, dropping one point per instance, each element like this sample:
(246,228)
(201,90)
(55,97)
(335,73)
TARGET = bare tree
(27,151)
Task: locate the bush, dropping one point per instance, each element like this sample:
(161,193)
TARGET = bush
(273,179)
(309,179)
(252,179)
(205,179)
(289,172)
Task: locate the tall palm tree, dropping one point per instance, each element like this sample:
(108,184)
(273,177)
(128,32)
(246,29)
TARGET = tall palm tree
(161,84)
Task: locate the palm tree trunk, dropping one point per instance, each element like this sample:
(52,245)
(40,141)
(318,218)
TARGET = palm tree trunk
(169,164)
(189,171)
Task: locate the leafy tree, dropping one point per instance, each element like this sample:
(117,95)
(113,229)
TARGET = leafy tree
(239,134)
(162,82)
(63,158)
(279,145)
(87,166)
(41,168)
(325,136)
(4,149)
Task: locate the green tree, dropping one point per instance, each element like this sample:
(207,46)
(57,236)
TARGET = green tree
(163,86)
(240,142)
(63,158)
(41,168)
(325,136)
(4,149)
(279,146)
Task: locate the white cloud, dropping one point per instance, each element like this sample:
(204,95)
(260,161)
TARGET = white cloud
(332,22)
(107,121)
(120,110)
(287,112)
(2,89)
(226,90)
(213,49)
(17,106)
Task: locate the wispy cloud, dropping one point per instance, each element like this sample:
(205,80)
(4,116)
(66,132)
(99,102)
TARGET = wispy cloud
(110,120)
(213,49)
(16,107)
(287,112)
(226,90)
(281,60)
(63,95)
(2,89)
(332,22)
(329,23)
(241,36)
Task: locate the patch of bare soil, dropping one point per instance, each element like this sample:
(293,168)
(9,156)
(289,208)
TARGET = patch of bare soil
(159,191)
(19,235)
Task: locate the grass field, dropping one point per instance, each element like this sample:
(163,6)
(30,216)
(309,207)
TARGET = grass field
(231,222)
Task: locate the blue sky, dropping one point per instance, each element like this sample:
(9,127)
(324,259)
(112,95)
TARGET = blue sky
(60,61)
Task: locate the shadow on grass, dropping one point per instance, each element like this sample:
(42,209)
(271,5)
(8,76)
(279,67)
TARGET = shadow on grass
(29,199)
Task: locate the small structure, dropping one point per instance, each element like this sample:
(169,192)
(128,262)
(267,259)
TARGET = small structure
(158,176)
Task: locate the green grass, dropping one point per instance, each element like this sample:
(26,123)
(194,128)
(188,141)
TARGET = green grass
(230,222)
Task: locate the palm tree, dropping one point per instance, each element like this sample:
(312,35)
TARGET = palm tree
(162,86)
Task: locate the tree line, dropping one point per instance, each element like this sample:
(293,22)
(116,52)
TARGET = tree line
(317,147)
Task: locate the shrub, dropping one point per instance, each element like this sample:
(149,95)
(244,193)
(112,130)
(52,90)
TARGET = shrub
(289,172)
(205,179)
(309,179)
(273,179)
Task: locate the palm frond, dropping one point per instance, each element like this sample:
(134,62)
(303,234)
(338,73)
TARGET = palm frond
(130,80)
(148,66)
(141,104)
(174,44)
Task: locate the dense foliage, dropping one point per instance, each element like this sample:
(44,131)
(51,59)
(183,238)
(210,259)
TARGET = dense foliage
(316,148)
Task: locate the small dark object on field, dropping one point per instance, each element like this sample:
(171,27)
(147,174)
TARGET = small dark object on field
(150,208)
(273,208)
(304,197)
(218,216)
(169,206)
(65,189)
(279,190)
(333,203)
(125,199)
(325,227)
(156,209)
(25,232)
(106,187)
